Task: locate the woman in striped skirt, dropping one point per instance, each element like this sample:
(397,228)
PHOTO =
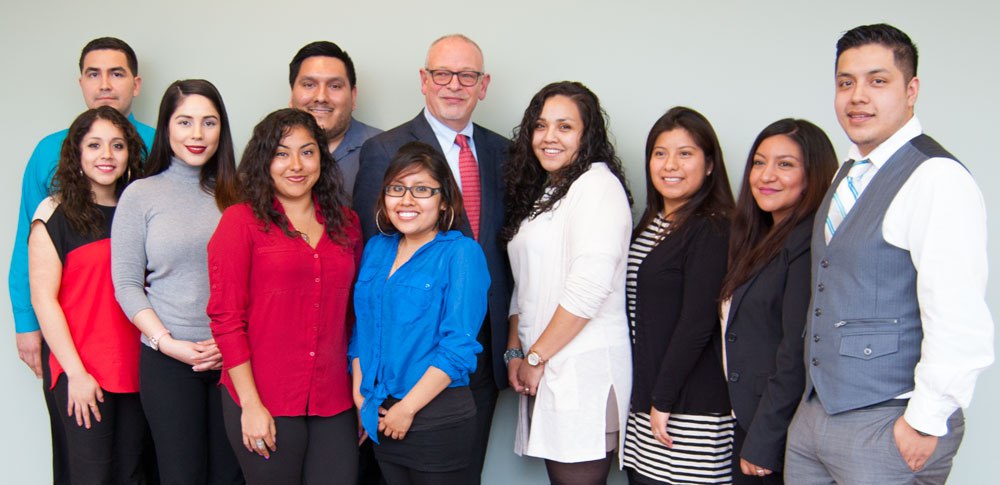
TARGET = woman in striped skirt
(680,426)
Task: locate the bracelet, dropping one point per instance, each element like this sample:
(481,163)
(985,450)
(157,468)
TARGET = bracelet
(154,342)
(511,354)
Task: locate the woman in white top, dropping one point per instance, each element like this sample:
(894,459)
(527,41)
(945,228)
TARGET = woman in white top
(567,228)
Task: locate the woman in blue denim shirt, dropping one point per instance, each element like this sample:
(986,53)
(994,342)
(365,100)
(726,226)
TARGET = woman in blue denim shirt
(420,300)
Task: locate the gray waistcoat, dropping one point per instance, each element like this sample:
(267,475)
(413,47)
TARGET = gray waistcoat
(864,332)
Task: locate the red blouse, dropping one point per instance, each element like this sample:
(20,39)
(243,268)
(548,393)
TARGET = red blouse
(285,307)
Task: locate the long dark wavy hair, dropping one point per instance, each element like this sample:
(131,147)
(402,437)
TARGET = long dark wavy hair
(754,238)
(258,186)
(524,176)
(714,199)
(218,175)
(413,157)
(72,187)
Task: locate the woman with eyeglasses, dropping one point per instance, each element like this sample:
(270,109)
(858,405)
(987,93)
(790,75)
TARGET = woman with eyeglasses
(420,299)
(281,265)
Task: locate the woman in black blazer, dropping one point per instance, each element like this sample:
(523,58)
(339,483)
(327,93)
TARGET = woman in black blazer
(679,427)
(766,292)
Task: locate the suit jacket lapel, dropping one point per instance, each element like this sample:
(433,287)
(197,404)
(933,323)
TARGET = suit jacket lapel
(738,295)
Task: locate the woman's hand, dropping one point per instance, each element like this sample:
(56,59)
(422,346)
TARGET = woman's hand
(395,421)
(201,356)
(512,375)
(259,433)
(210,357)
(83,394)
(750,469)
(658,424)
(530,376)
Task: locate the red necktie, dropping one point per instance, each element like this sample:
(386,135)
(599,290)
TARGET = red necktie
(469,172)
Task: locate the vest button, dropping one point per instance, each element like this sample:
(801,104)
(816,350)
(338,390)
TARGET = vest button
(818,312)
(816,338)
(731,337)
(821,287)
(867,351)
(824,264)
(734,376)
(815,362)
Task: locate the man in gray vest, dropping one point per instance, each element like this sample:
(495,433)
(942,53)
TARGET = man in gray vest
(898,329)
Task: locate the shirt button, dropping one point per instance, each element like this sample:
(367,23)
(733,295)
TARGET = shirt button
(818,312)
(315,256)
(815,363)
(312,354)
(316,305)
(317,280)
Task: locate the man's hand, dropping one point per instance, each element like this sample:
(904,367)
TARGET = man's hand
(29,349)
(916,449)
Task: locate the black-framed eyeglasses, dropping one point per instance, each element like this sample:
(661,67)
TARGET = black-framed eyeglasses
(442,77)
(417,191)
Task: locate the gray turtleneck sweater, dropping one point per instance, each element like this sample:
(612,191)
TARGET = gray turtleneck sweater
(158,250)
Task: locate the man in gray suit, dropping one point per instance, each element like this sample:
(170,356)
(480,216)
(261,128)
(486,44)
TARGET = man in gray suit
(898,326)
(325,85)
(453,81)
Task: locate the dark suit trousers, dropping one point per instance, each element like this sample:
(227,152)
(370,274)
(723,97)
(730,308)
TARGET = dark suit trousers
(485,393)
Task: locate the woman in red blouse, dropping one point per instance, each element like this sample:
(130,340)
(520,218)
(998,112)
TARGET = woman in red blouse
(94,362)
(281,266)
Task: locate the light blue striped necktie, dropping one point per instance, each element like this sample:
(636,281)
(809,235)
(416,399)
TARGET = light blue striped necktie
(847,194)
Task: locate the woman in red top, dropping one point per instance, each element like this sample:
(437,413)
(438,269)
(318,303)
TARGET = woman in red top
(95,352)
(281,266)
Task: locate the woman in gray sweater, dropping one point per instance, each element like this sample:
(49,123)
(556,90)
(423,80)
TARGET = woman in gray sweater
(159,266)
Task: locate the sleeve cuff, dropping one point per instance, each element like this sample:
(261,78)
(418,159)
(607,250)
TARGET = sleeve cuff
(928,415)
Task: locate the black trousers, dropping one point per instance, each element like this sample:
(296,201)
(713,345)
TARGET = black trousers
(60,453)
(111,451)
(311,450)
(184,411)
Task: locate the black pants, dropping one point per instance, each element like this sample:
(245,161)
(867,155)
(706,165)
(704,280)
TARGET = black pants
(311,450)
(400,475)
(184,412)
(485,393)
(111,450)
(60,453)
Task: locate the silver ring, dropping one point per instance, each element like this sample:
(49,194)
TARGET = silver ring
(760,471)
(260,444)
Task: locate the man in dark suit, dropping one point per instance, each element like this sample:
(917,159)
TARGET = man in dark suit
(453,82)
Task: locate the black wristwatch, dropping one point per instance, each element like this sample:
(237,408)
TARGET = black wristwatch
(511,354)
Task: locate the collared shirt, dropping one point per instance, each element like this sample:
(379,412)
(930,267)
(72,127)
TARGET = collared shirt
(427,314)
(348,152)
(284,306)
(34,189)
(939,217)
(446,138)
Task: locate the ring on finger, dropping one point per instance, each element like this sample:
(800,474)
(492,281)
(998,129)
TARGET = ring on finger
(260,444)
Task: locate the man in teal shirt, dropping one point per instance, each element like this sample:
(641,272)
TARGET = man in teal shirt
(109,76)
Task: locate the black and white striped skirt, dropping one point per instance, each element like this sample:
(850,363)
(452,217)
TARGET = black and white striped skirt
(702,451)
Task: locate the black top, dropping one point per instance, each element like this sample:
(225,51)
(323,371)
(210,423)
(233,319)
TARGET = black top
(66,239)
(764,348)
(676,368)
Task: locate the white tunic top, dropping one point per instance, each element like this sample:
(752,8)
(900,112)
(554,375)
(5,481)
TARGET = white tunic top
(575,256)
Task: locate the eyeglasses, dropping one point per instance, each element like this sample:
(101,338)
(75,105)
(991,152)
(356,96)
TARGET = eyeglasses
(442,77)
(417,191)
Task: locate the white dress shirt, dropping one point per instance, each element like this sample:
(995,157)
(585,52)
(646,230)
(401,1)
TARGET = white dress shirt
(939,217)
(446,138)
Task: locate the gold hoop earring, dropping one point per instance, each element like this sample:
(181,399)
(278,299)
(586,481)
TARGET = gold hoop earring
(378,215)
(451,220)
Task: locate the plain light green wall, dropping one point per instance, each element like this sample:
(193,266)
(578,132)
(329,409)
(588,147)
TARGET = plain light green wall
(742,64)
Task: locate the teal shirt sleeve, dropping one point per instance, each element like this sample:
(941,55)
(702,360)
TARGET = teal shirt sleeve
(34,189)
